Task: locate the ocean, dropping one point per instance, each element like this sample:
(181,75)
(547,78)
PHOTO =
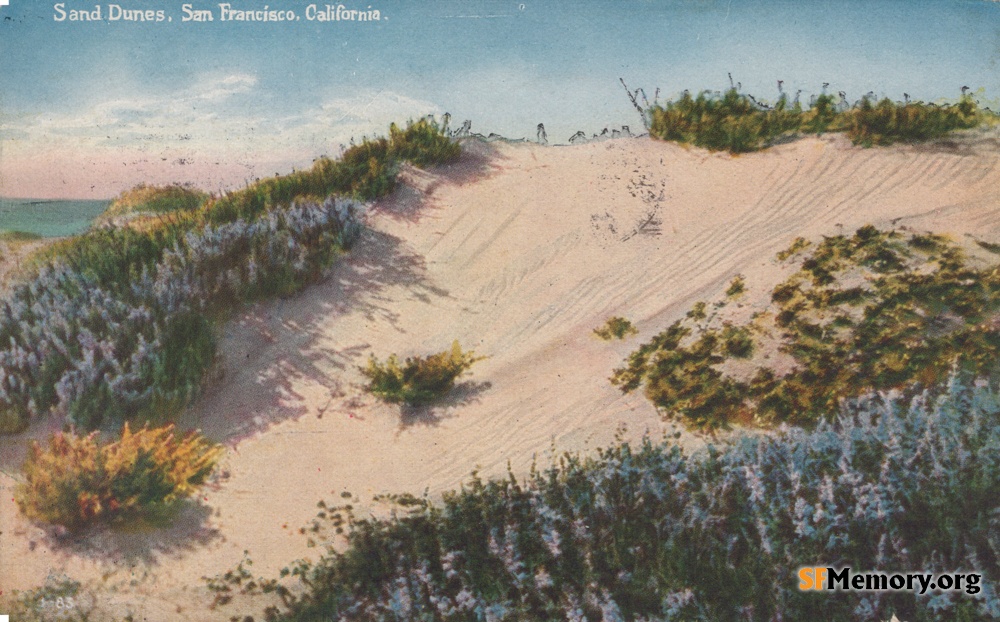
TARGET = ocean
(48,218)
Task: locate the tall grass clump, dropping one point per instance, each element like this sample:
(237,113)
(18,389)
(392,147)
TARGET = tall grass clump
(77,481)
(418,380)
(118,324)
(873,311)
(731,122)
(652,532)
(422,143)
(887,122)
(738,123)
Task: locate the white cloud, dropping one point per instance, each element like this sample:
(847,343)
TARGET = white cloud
(217,90)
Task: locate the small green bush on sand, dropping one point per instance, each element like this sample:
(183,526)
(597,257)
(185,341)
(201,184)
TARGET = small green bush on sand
(418,380)
(736,287)
(422,143)
(616,328)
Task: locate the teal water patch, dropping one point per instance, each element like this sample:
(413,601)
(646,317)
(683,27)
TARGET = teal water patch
(49,218)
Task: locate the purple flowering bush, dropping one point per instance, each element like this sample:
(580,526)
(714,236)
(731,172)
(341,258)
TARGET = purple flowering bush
(652,533)
(99,351)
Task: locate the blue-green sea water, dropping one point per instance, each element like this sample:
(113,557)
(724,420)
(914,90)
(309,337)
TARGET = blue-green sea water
(48,218)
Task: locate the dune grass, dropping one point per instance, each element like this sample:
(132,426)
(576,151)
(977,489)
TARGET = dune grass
(15,237)
(739,123)
(888,122)
(364,172)
(732,122)
(873,311)
(144,199)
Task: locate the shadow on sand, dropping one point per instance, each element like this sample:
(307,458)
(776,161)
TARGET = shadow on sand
(139,542)
(432,415)
(409,201)
(273,346)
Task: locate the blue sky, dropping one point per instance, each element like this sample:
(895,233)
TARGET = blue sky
(90,108)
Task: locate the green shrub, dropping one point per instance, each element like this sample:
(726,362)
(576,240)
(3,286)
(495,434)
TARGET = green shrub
(736,287)
(78,481)
(737,342)
(822,116)
(616,328)
(419,380)
(697,311)
(799,244)
(13,421)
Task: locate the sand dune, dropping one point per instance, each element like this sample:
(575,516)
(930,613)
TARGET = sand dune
(518,251)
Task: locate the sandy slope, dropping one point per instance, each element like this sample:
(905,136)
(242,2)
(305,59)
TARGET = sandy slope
(518,251)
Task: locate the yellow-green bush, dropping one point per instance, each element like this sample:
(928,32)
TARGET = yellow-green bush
(419,380)
(77,481)
(732,122)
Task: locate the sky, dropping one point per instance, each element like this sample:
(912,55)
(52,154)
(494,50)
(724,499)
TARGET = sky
(91,108)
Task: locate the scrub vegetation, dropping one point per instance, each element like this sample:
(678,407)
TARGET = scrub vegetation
(651,532)
(873,311)
(144,200)
(736,122)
